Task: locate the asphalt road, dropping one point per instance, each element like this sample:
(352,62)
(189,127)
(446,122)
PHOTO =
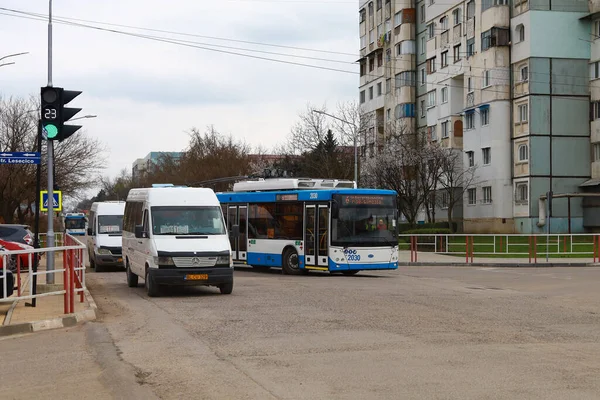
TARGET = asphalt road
(415,333)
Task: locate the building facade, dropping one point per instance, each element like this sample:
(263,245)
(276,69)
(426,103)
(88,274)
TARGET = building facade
(506,83)
(143,165)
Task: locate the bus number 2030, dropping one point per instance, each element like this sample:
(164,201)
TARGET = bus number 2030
(351,255)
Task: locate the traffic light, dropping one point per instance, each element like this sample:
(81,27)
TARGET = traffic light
(55,114)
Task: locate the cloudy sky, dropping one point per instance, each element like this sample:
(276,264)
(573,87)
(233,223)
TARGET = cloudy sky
(148,94)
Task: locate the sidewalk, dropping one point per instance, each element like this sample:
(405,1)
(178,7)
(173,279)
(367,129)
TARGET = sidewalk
(20,317)
(428,259)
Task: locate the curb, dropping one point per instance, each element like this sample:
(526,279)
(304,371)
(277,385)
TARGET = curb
(89,314)
(496,265)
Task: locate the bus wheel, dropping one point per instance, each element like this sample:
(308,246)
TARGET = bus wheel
(132,279)
(290,263)
(351,272)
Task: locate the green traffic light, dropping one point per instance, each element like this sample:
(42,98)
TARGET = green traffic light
(51,130)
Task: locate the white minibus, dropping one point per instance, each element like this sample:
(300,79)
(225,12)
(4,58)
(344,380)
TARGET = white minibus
(104,234)
(176,236)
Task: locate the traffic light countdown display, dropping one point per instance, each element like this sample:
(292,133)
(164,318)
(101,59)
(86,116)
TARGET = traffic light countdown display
(55,114)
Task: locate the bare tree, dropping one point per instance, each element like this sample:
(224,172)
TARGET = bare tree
(77,159)
(454,179)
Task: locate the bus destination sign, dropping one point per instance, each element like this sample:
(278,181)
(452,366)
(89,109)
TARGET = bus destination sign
(287,197)
(366,200)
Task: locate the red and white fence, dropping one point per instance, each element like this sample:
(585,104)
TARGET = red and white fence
(70,267)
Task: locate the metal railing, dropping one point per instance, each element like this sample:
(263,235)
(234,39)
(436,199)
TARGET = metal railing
(583,247)
(72,270)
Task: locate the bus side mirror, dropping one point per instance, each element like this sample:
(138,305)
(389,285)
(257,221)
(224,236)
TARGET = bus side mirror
(335,209)
(139,231)
(235,231)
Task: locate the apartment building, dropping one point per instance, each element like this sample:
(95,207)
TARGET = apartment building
(387,68)
(142,165)
(506,82)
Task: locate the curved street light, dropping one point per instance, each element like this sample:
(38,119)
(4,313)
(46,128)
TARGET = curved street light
(11,55)
(85,116)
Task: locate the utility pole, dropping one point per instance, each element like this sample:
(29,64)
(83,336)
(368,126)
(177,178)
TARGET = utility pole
(50,167)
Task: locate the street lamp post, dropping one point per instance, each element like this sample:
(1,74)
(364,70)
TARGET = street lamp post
(10,55)
(355,129)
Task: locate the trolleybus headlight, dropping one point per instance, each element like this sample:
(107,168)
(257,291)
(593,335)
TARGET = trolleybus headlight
(104,252)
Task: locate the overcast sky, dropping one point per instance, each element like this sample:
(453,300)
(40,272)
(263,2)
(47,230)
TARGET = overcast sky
(148,94)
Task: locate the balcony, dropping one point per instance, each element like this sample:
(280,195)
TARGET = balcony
(457,33)
(471,28)
(521,88)
(470,100)
(444,39)
(431,46)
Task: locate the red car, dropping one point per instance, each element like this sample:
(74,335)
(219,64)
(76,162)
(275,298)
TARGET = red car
(9,246)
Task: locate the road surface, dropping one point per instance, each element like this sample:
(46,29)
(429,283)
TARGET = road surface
(415,333)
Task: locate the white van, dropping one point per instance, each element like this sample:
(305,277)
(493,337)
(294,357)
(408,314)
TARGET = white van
(176,236)
(105,228)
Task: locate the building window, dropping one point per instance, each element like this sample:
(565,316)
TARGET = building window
(523,112)
(371,9)
(372,36)
(423,45)
(486,155)
(444,59)
(595,70)
(489,3)
(470,47)
(422,12)
(423,76)
(596,30)
(371,93)
(397,19)
(371,64)
(469,85)
(470,120)
(485,116)
(522,192)
(362,15)
(388,55)
(362,96)
(431,132)
(423,108)
(494,37)
(471,9)
(406,78)
(379,59)
(431,99)
(524,74)
(430,31)
(456,16)
(388,113)
(406,47)
(596,147)
(444,201)
(363,41)
(388,26)
(378,4)
(470,158)
(431,65)
(445,130)
(486,78)
(594,110)
(523,151)
(444,94)
(457,55)
(444,23)
(520,33)
(472,193)
(379,89)
(405,110)
(388,85)
(487,194)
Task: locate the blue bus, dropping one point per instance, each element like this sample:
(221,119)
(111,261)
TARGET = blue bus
(75,223)
(312,224)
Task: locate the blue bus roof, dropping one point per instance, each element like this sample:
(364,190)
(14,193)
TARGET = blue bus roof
(302,195)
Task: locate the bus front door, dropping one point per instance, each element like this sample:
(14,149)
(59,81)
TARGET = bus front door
(316,232)
(238,215)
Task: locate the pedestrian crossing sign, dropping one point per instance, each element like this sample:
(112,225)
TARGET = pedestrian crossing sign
(56,200)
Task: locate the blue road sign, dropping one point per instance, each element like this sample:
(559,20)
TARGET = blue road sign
(20,157)
(57,203)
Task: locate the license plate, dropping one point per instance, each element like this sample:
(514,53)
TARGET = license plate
(196,277)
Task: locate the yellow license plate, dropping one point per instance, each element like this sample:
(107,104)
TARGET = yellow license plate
(196,277)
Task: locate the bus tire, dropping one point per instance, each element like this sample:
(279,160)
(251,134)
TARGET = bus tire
(351,272)
(132,279)
(290,264)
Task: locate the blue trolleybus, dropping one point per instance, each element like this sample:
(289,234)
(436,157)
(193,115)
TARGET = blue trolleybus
(75,223)
(312,224)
